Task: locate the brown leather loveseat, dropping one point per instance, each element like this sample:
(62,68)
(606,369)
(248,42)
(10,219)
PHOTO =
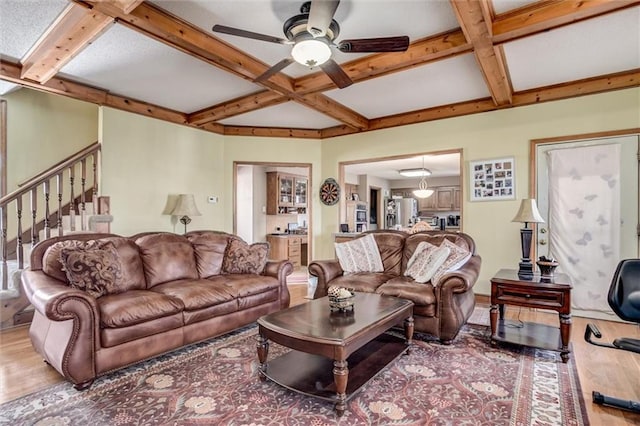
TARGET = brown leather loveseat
(171,290)
(439,310)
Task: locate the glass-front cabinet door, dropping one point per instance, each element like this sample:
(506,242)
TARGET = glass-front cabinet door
(286,190)
(301,192)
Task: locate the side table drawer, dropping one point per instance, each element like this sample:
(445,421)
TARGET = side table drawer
(532,298)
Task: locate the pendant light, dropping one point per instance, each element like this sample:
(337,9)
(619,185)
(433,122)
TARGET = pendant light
(422,191)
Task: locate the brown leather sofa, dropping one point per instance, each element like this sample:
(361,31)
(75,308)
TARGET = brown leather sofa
(440,311)
(175,293)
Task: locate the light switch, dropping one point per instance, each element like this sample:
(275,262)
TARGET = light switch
(212,199)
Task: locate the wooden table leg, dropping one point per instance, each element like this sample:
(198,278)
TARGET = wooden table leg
(565,335)
(263,352)
(340,378)
(493,316)
(408,332)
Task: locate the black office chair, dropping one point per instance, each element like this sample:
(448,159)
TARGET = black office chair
(624,299)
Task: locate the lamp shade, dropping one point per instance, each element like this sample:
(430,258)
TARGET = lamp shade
(528,212)
(186,206)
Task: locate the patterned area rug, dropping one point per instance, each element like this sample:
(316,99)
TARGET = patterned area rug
(216,383)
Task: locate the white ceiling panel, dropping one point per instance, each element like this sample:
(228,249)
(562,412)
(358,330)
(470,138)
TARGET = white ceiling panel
(127,63)
(290,114)
(22,22)
(439,83)
(439,165)
(598,46)
(6,87)
(357,19)
(502,6)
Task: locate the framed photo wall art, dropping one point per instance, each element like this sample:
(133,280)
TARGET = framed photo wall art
(492,179)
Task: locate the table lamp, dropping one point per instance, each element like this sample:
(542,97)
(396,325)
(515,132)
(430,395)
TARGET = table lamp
(185,207)
(528,213)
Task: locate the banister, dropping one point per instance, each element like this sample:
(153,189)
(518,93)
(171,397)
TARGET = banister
(48,174)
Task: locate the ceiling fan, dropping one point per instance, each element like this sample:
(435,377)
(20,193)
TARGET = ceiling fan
(312,33)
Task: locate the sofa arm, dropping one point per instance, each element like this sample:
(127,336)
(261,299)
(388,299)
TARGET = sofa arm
(280,270)
(326,271)
(462,279)
(66,330)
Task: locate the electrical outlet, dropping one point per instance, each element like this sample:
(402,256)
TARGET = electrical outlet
(212,199)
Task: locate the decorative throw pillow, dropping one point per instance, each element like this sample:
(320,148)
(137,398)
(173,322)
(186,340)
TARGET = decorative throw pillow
(458,256)
(359,255)
(242,258)
(425,261)
(93,267)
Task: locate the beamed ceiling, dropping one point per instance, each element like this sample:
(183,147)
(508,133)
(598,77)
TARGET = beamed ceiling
(161,59)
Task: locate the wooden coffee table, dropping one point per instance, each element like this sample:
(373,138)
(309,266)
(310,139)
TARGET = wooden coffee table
(334,353)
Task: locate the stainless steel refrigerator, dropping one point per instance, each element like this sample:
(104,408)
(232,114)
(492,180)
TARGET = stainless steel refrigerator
(401,211)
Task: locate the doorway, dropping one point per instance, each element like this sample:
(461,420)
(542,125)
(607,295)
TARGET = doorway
(587,192)
(251,219)
(374,209)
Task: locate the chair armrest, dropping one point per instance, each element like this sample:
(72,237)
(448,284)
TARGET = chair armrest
(326,271)
(280,270)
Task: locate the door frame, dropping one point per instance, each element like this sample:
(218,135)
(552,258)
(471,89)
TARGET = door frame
(308,166)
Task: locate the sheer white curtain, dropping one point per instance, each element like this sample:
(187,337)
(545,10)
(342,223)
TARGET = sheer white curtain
(584,219)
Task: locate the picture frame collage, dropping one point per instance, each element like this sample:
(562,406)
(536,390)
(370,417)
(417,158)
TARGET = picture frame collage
(492,179)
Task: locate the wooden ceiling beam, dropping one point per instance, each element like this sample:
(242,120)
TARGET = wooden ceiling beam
(74,29)
(472,17)
(237,106)
(420,52)
(272,132)
(333,109)
(545,15)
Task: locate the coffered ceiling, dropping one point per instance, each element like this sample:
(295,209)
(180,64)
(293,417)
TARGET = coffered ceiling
(161,59)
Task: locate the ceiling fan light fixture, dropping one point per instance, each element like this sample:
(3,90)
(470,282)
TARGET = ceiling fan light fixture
(421,172)
(312,52)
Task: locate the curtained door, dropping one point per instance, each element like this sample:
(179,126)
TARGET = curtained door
(588,196)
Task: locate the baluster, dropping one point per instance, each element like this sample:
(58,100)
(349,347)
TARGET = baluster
(47,225)
(94,192)
(3,230)
(72,200)
(59,221)
(34,212)
(19,251)
(83,207)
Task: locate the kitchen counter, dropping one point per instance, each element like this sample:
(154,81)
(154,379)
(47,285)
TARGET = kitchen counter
(292,247)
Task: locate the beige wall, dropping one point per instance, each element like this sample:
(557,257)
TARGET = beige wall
(481,136)
(145,161)
(43,129)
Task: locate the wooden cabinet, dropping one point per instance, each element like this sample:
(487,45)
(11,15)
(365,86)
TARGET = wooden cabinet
(286,247)
(427,204)
(445,198)
(457,198)
(286,194)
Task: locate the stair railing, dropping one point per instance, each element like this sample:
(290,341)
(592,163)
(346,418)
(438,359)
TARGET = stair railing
(39,187)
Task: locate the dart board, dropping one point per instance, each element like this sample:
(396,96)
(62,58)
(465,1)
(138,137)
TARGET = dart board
(329,192)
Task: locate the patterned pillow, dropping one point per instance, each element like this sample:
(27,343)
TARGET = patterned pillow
(93,267)
(425,261)
(458,256)
(242,258)
(359,255)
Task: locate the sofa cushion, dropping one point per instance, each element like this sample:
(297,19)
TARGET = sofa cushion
(407,288)
(458,256)
(433,237)
(196,294)
(426,260)
(93,267)
(209,247)
(391,245)
(135,307)
(242,258)
(359,255)
(131,263)
(363,281)
(242,285)
(167,257)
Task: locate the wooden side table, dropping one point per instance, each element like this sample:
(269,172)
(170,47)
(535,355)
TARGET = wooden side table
(507,288)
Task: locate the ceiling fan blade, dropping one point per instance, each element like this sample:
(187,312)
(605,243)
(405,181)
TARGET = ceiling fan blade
(273,70)
(248,34)
(336,74)
(381,44)
(320,16)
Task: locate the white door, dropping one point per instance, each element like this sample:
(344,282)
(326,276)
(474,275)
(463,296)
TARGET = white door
(587,193)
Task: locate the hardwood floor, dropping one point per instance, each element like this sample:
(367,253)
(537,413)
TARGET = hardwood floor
(610,372)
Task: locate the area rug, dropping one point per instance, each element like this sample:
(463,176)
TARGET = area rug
(216,383)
